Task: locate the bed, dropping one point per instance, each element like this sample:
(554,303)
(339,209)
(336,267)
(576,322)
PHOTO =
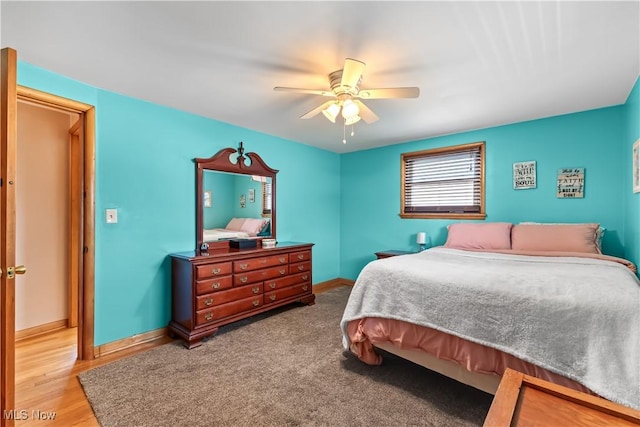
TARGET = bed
(566,313)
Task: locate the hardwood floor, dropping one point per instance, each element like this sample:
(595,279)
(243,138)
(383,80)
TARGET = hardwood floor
(46,379)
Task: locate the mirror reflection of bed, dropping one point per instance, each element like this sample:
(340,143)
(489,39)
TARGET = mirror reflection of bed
(240,206)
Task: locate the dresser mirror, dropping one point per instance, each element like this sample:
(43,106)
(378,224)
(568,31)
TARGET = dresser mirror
(235,198)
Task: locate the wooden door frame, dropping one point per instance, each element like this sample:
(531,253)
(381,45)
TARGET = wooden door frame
(86,290)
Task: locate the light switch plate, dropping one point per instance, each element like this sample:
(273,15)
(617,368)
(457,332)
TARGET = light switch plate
(112,216)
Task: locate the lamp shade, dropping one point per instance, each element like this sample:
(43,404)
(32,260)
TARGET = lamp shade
(331,112)
(352,120)
(422,238)
(349,109)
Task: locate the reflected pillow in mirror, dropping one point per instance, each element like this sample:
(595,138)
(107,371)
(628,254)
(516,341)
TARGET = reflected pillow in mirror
(236,224)
(253,225)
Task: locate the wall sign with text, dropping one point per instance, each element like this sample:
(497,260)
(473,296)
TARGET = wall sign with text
(524,175)
(570,183)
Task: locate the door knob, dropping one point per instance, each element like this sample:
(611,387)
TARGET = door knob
(12,271)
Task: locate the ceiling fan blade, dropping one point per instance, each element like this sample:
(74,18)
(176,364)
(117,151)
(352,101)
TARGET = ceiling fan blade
(392,92)
(352,72)
(365,112)
(316,110)
(301,90)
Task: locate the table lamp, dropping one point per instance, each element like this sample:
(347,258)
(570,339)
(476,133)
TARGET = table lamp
(422,240)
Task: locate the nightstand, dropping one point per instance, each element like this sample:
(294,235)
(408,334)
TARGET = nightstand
(392,252)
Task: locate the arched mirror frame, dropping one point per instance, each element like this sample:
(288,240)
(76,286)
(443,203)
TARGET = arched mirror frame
(221,162)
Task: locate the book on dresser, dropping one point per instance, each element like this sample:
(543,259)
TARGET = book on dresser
(219,287)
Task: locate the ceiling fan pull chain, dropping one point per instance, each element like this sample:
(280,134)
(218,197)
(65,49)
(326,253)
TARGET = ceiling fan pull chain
(352,131)
(344,132)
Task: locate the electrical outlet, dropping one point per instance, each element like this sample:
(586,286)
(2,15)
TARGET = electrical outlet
(112,216)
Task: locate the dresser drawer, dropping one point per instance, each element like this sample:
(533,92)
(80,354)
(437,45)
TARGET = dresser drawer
(257,263)
(217,298)
(271,297)
(212,285)
(228,309)
(241,279)
(299,267)
(300,256)
(213,270)
(283,282)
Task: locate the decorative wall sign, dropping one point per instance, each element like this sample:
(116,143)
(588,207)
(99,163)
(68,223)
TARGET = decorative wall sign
(252,195)
(524,175)
(636,166)
(207,199)
(570,183)
(242,201)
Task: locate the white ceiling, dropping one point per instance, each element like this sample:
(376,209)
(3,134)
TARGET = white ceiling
(477,64)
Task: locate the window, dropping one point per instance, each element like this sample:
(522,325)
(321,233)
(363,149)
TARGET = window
(444,183)
(266,198)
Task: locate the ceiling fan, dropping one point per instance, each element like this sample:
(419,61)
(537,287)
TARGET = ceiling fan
(346,92)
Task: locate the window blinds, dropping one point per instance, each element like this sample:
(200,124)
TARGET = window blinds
(445,182)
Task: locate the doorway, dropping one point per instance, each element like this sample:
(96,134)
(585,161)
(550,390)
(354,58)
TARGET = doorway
(55,225)
(43,241)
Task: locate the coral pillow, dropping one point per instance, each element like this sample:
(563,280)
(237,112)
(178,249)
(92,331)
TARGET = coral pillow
(253,225)
(555,237)
(491,235)
(235,224)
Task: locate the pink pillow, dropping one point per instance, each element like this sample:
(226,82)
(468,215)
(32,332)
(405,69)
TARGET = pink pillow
(235,224)
(253,225)
(555,237)
(490,235)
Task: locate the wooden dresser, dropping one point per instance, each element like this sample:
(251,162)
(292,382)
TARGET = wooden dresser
(216,288)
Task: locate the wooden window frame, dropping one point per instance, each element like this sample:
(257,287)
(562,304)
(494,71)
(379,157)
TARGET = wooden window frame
(444,215)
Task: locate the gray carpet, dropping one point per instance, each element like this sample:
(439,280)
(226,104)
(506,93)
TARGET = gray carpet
(286,368)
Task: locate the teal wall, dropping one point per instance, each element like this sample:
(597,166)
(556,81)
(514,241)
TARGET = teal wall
(370,196)
(631,200)
(144,167)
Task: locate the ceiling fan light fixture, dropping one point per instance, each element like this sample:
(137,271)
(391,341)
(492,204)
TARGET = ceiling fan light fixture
(350,109)
(352,120)
(331,112)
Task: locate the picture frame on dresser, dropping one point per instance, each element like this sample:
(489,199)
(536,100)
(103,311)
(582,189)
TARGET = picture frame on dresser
(217,284)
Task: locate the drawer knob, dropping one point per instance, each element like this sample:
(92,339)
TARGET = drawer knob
(244,279)
(304,287)
(216,271)
(215,285)
(256,303)
(208,316)
(256,290)
(300,256)
(301,267)
(208,301)
(244,266)
(263,261)
(272,297)
(282,271)
(305,277)
(272,285)
(282,260)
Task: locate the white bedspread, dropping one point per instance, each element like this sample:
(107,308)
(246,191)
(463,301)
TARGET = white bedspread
(577,317)
(212,234)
